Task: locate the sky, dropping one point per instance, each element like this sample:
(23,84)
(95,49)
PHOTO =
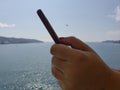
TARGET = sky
(88,20)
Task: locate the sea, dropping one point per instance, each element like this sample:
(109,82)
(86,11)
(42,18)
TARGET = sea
(28,66)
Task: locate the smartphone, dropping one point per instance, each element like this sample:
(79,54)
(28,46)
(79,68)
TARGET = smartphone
(48,26)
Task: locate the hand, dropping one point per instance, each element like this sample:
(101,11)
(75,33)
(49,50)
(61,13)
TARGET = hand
(79,67)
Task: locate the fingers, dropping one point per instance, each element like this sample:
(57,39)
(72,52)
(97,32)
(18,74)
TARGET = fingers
(58,66)
(58,63)
(75,43)
(57,73)
(66,53)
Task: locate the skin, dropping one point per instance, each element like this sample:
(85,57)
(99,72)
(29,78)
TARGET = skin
(78,67)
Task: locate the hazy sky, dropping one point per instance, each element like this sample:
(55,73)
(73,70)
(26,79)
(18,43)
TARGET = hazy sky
(89,20)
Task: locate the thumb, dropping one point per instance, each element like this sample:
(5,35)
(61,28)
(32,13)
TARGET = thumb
(75,43)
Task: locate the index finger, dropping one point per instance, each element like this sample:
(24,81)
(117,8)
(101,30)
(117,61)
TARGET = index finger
(66,53)
(75,43)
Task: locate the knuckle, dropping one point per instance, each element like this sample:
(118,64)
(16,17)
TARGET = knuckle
(72,38)
(53,60)
(55,48)
(52,49)
(56,73)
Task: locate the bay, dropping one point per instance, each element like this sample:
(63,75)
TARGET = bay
(28,66)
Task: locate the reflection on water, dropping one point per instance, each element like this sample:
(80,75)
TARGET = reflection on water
(28,80)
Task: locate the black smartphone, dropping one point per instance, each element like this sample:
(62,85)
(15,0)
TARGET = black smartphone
(48,26)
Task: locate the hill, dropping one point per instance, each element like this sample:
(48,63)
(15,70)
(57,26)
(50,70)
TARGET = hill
(112,41)
(12,40)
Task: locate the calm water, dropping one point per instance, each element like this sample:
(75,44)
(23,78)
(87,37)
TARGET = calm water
(27,66)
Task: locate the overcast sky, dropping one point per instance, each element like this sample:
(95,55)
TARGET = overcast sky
(89,20)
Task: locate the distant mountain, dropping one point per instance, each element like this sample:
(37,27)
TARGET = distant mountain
(8,40)
(112,41)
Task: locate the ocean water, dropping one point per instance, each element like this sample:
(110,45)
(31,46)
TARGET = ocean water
(28,66)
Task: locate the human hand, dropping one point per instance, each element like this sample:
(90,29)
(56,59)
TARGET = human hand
(79,67)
